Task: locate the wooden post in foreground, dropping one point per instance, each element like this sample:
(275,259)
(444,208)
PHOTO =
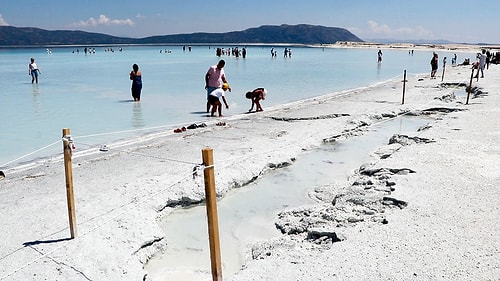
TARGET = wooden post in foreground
(68,168)
(213,223)
(404,87)
(469,89)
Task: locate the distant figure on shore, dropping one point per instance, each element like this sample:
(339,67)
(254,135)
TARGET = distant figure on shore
(214,99)
(136,77)
(454,59)
(34,71)
(488,59)
(482,63)
(214,78)
(379,56)
(256,95)
(434,65)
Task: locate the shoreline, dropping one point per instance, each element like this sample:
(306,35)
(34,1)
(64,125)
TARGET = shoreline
(152,133)
(120,194)
(418,46)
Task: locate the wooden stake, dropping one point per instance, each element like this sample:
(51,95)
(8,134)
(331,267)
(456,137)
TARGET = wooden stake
(404,87)
(67,149)
(469,89)
(444,66)
(213,224)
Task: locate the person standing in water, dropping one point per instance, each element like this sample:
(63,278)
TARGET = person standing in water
(214,78)
(136,77)
(33,71)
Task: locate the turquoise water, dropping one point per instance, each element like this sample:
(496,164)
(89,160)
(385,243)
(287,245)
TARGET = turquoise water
(90,94)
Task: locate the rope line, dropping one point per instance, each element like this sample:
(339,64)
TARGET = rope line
(125,131)
(31,153)
(161,158)
(132,206)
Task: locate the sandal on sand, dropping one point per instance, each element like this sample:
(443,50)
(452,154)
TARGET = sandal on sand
(202,125)
(177,130)
(221,124)
(192,126)
(183,129)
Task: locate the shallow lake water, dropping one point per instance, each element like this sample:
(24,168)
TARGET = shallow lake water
(247,214)
(90,94)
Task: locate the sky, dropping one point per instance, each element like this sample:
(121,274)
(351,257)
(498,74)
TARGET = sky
(454,20)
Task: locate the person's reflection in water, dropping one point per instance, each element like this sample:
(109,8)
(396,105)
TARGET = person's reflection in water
(137,119)
(36,98)
(379,66)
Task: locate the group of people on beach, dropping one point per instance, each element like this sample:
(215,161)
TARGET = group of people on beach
(216,85)
(483,60)
(236,52)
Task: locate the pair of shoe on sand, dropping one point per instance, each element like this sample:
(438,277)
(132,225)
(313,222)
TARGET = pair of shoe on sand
(180,130)
(192,126)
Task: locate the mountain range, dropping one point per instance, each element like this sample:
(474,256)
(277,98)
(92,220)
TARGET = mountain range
(266,34)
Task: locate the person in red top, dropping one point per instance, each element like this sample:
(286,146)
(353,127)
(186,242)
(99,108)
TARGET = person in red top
(214,78)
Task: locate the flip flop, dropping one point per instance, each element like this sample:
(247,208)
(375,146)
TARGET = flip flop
(177,130)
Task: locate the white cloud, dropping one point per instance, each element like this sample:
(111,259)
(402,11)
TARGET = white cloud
(2,21)
(385,30)
(102,20)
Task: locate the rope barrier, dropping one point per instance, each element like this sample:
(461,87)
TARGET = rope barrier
(88,136)
(31,153)
(128,206)
(125,131)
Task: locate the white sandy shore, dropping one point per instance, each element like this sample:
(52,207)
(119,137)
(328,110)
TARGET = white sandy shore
(435,219)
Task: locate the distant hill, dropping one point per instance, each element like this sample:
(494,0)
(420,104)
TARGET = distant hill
(28,36)
(267,34)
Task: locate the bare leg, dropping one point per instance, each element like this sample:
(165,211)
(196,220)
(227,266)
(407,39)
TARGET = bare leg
(214,107)
(208,107)
(259,107)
